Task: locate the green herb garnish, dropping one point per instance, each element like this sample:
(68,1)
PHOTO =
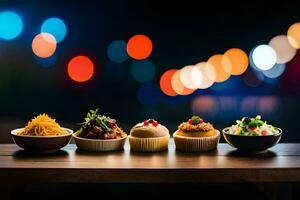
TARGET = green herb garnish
(92,118)
(196,119)
(250,122)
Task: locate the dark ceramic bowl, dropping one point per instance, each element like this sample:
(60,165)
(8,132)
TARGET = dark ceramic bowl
(41,144)
(251,143)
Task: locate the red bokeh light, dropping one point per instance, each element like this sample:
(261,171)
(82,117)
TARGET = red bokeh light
(139,47)
(80,68)
(165,83)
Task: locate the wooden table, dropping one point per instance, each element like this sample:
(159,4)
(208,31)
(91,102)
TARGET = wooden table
(279,164)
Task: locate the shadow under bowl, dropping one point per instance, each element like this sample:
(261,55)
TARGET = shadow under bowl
(41,144)
(253,144)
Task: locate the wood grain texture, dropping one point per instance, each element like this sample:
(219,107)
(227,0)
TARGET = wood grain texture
(279,164)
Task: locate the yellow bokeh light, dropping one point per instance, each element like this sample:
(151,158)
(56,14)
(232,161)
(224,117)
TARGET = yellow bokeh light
(294,35)
(283,48)
(222,65)
(177,85)
(203,75)
(239,60)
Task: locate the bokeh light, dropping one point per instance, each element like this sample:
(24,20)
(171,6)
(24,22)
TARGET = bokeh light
(239,60)
(222,66)
(284,51)
(44,45)
(142,70)
(185,76)
(203,75)
(269,106)
(165,82)
(80,68)
(56,27)
(294,35)
(139,47)
(205,106)
(248,106)
(116,51)
(177,85)
(11,25)
(264,57)
(46,62)
(275,71)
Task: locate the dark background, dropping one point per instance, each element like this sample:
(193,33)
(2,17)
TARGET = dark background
(184,32)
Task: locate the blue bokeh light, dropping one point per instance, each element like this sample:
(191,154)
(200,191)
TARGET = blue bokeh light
(142,70)
(56,27)
(275,71)
(46,62)
(11,25)
(116,51)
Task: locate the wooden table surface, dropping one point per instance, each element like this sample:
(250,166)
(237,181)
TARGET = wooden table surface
(280,164)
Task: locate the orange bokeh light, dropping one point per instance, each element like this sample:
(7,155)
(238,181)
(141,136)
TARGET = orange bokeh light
(139,47)
(177,85)
(239,60)
(165,82)
(80,68)
(44,45)
(222,66)
(294,35)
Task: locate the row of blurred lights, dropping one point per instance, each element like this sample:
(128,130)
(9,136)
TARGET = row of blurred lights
(267,60)
(229,107)
(80,68)
(138,47)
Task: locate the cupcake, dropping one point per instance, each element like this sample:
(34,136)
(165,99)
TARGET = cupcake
(99,133)
(149,136)
(195,135)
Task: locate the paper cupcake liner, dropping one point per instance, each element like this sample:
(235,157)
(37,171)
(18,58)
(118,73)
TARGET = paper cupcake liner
(149,144)
(196,144)
(99,145)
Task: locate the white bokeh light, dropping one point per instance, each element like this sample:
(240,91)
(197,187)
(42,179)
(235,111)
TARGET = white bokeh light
(284,50)
(186,77)
(203,75)
(264,57)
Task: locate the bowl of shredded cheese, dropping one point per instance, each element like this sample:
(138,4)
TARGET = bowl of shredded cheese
(42,134)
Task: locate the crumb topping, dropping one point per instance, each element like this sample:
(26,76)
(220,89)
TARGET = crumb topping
(202,127)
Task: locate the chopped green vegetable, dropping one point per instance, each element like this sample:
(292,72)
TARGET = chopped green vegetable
(92,118)
(253,127)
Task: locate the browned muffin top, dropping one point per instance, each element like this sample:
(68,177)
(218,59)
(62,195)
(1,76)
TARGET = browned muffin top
(195,124)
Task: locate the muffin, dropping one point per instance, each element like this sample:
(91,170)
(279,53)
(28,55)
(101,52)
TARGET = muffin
(195,135)
(149,136)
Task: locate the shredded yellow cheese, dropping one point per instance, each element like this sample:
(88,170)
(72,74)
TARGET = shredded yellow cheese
(42,125)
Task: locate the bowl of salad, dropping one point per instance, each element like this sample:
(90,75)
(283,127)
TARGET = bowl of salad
(252,134)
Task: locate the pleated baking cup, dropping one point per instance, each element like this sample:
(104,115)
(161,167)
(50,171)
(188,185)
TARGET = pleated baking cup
(196,144)
(149,144)
(98,144)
